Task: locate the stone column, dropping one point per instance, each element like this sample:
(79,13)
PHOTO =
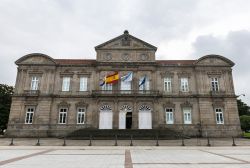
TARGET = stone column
(135,116)
(116,115)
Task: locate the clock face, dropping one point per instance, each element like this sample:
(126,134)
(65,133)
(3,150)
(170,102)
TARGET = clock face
(108,56)
(143,57)
(125,57)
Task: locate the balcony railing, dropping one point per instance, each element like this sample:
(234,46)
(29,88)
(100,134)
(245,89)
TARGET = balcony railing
(31,92)
(126,93)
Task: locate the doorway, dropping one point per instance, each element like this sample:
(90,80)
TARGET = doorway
(129,120)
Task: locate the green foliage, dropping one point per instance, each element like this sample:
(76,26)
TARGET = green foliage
(243,108)
(246,135)
(5,103)
(245,122)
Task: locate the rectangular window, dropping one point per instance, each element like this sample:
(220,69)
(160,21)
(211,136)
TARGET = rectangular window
(215,84)
(80,115)
(29,115)
(167,84)
(65,84)
(83,84)
(34,83)
(169,116)
(187,115)
(107,87)
(145,85)
(62,115)
(126,86)
(184,85)
(219,116)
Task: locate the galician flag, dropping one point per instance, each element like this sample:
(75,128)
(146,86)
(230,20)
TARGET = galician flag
(128,77)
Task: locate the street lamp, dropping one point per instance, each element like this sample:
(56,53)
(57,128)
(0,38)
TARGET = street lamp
(240,95)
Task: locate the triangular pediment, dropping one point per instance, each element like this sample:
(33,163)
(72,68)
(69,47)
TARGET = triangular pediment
(126,41)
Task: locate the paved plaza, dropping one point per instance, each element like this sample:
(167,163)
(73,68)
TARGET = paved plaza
(77,154)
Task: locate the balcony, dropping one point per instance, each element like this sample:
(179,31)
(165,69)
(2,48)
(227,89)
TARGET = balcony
(217,93)
(127,93)
(31,92)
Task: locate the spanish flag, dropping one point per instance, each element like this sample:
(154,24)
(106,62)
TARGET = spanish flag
(113,78)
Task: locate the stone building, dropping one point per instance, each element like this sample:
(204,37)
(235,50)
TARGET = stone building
(54,97)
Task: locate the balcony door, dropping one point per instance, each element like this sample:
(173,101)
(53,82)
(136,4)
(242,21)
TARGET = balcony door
(126,87)
(106,117)
(145,117)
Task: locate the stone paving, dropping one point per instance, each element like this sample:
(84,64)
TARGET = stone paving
(77,154)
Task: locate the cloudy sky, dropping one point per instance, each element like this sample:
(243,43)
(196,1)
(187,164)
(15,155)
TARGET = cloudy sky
(183,29)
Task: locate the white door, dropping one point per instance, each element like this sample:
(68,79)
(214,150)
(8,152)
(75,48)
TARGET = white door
(145,119)
(106,120)
(122,120)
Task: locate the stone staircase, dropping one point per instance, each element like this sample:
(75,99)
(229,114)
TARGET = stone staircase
(125,134)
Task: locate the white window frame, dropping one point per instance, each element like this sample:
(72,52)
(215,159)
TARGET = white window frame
(219,115)
(169,115)
(65,84)
(184,85)
(215,84)
(81,115)
(126,87)
(63,115)
(83,84)
(107,87)
(34,83)
(29,117)
(187,115)
(168,84)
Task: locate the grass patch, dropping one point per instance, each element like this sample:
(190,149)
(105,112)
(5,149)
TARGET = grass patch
(246,134)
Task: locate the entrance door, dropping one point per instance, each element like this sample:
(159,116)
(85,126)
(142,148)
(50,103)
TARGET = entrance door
(106,120)
(145,118)
(122,120)
(128,120)
(125,117)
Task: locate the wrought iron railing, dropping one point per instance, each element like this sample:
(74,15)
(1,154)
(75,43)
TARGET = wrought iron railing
(126,92)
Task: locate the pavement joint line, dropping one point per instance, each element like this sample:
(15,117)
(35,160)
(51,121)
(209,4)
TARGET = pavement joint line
(83,154)
(188,163)
(229,157)
(128,160)
(24,157)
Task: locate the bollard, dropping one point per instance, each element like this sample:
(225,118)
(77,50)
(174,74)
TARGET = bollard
(90,140)
(38,142)
(131,142)
(233,142)
(208,142)
(182,141)
(64,141)
(12,142)
(116,140)
(157,140)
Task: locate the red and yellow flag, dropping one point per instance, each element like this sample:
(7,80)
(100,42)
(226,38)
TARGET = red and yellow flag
(113,78)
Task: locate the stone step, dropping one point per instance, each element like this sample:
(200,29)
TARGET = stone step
(124,134)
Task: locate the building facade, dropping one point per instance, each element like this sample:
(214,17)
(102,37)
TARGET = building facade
(54,97)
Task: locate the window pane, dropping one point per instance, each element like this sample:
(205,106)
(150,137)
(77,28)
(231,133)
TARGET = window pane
(83,83)
(66,84)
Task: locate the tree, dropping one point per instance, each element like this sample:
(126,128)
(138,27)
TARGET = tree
(245,122)
(5,103)
(243,108)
